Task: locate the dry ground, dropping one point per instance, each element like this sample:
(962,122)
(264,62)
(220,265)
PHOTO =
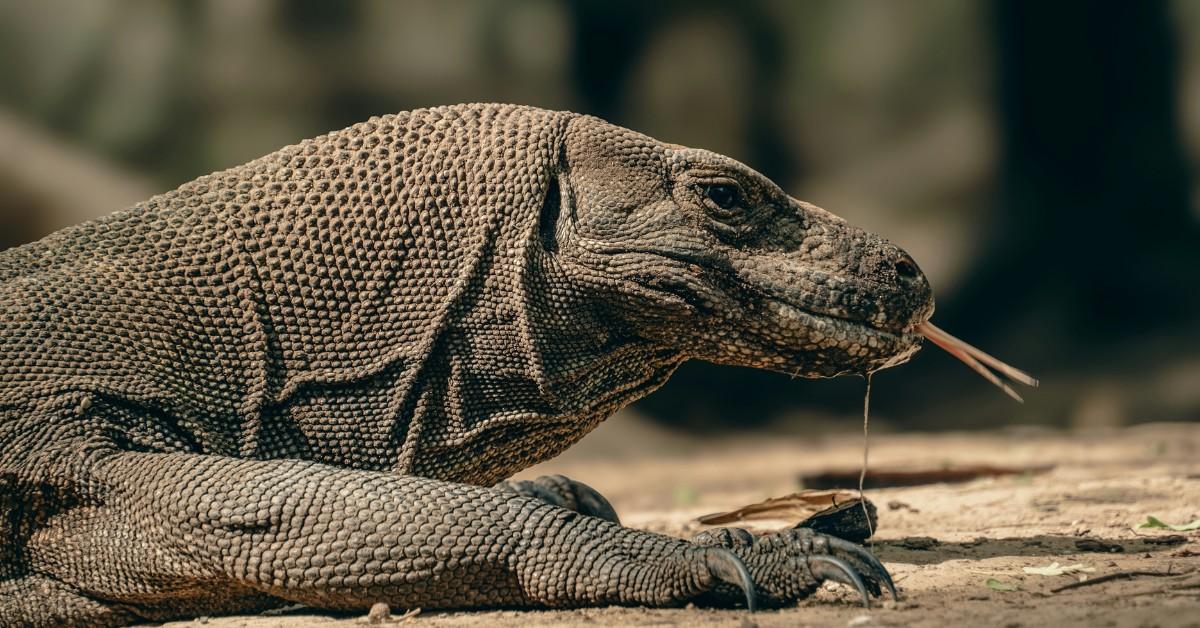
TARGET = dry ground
(1103,483)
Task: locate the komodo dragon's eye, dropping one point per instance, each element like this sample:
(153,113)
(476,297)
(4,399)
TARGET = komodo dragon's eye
(725,196)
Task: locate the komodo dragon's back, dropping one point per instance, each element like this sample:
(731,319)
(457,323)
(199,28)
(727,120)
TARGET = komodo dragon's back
(291,381)
(186,319)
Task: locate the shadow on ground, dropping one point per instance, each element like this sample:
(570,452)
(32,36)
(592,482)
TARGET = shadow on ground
(926,551)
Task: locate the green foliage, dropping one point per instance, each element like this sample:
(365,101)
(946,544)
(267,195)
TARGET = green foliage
(1155,522)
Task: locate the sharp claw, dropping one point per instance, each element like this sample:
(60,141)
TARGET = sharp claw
(728,568)
(879,572)
(838,570)
(594,504)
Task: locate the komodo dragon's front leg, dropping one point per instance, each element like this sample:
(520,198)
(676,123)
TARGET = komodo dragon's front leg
(183,533)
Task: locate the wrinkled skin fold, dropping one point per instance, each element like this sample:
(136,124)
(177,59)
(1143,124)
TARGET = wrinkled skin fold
(300,379)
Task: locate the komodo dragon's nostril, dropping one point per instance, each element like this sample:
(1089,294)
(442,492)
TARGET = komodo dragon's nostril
(907,268)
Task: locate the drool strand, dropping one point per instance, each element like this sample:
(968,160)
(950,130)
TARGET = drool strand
(862,476)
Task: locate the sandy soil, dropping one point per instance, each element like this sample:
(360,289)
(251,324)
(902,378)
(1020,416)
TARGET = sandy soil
(1101,486)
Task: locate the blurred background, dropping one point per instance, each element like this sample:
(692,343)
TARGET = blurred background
(1039,160)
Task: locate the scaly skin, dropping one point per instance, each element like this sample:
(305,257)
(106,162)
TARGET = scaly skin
(299,380)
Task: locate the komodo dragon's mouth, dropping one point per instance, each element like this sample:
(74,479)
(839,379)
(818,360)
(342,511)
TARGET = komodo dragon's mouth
(894,347)
(710,263)
(849,322)
(873,335)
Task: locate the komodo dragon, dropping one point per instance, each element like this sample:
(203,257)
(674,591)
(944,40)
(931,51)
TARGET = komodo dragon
(304,379)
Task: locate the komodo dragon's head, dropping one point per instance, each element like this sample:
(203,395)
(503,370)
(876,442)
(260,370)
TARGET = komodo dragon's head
(706,255)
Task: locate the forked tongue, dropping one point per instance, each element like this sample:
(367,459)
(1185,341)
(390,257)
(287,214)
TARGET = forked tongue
(976,359)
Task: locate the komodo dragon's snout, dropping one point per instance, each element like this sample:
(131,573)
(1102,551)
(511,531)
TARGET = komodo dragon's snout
(703,253)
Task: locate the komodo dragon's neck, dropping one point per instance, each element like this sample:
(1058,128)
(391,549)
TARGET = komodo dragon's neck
(523,368)
(547,373)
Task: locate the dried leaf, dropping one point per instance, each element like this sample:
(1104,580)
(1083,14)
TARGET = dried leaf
(1055,569)
(840,513)
(1155,522)
(996,585)
(794,507)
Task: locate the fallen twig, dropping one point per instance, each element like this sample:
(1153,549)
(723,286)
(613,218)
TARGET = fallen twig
(1185,589)
(1120,575)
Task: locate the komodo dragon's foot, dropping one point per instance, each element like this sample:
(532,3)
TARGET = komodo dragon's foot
(559,490)
(789,565)
(782,567)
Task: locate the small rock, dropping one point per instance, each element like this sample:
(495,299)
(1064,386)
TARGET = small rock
(282,610)
(1096,545)
(861,620)
(919,542)
(379,613)
(1170,539)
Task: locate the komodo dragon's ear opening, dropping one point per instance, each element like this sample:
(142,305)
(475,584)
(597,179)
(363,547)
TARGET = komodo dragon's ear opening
(551,208)
(558,193)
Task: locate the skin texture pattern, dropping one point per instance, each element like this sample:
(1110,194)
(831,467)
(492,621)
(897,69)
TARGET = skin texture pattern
(306,378)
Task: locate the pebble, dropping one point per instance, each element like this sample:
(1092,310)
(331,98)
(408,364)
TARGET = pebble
(918,542)
(379,613)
